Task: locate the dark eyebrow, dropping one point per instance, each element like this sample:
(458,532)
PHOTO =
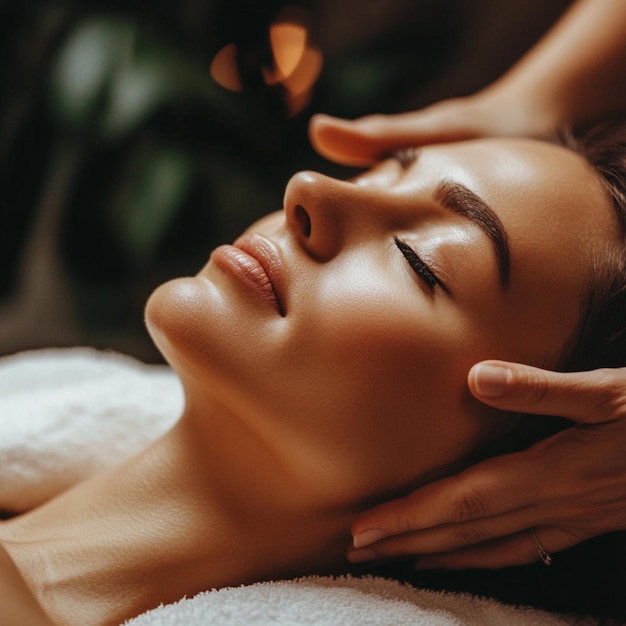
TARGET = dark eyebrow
(464,202)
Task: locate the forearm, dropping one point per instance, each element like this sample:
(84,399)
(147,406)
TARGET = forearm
(576,72)
(18,606)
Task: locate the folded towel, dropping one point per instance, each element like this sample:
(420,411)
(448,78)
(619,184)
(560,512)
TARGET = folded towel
(65,414)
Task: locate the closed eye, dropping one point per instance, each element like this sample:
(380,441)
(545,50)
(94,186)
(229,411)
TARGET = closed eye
(418,266)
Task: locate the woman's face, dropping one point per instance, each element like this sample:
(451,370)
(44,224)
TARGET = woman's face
(343,327)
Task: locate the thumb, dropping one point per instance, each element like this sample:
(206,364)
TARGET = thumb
(366,140)
(590,397)
(343,141)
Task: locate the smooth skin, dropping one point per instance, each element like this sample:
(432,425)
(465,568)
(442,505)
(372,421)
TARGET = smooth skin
(20,608)
(301,402)
(482,517)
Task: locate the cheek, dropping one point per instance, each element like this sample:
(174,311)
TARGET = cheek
(369,339)
(368,413)
(376,387)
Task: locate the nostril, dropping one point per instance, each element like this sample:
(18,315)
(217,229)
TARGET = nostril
(304,220)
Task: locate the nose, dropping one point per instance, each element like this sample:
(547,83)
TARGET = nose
(322,212)
(312,214)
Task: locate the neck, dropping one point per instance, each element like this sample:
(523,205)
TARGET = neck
(208,505)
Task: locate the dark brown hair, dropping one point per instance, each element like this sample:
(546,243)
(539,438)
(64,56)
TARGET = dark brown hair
(600,338)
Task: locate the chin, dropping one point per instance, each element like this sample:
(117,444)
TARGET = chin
(199,330)
(176,316)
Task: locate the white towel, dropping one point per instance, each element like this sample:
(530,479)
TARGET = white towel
(344,601)
(65,414)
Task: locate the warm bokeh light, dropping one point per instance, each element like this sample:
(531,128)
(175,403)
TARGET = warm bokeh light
(305,75)
(288,43)
(224,69)
(297,63)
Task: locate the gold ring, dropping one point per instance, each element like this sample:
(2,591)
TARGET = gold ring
(543,553)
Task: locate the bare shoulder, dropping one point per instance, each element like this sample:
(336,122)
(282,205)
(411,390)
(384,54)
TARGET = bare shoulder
(19,605)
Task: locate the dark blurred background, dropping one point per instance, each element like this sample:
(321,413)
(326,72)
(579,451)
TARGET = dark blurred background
(136,135)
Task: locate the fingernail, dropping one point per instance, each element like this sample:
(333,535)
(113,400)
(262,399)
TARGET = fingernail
(491,380)
(361,556)
(367,537)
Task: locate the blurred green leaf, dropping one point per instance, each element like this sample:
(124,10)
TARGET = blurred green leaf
(83,70)
(110,76)
(135,92)
(154,198)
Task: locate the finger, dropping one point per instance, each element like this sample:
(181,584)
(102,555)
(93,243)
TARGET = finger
(365,141)
(450,537)
(493,487)
(518,549)
(457,536)
(590,397)
(342,141)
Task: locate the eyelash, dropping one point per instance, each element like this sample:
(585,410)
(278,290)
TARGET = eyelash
(417,265)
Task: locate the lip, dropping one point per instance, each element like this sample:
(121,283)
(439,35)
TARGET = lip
(256,261)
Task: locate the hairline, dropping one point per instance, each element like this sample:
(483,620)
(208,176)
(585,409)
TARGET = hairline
(602,262)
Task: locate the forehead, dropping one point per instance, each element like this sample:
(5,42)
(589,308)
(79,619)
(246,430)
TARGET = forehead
(502,168)
(542,192)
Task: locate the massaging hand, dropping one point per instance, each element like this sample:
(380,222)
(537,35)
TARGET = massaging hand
(366,140)
(572,75)
(569,487)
